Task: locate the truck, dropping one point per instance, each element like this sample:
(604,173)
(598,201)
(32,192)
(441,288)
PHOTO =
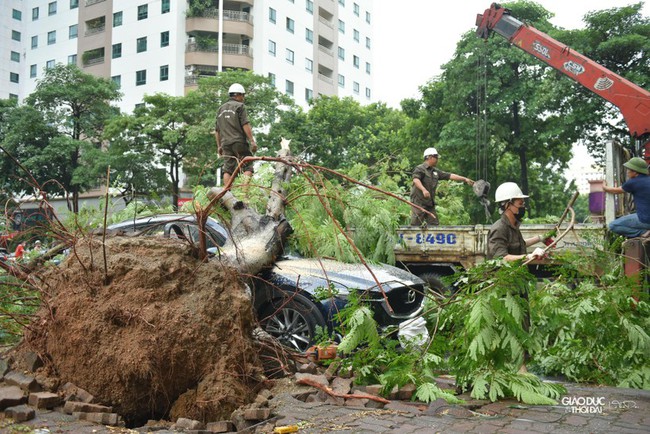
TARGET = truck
(439,251)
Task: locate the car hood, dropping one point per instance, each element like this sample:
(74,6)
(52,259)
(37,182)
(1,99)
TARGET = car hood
(312,273)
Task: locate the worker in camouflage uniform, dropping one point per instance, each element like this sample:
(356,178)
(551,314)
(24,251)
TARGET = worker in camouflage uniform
(423,192)
(233,133)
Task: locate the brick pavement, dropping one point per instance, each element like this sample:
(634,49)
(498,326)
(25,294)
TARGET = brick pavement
(615,411)
(623,411)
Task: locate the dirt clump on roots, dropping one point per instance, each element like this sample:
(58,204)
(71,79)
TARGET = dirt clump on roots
(159,335)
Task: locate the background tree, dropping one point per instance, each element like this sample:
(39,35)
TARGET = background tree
(618,39)
(160,130)
(77,105)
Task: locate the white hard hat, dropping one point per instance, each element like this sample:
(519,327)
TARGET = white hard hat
(37,242)
(508,191)
(236,88)
(430,151)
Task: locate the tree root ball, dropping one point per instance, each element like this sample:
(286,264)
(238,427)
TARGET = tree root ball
(156,326)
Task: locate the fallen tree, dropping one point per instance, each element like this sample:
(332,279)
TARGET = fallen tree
(152,327)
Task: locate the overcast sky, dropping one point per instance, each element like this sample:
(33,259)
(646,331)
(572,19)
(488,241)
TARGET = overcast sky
(412,38)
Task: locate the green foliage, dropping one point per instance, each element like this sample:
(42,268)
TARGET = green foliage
(595,328)
(18,301)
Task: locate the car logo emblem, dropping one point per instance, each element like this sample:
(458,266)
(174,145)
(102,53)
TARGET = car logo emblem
(410,298)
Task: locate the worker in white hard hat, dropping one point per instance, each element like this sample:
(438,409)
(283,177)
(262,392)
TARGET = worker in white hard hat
(505,239)
(425,183)
(234,134)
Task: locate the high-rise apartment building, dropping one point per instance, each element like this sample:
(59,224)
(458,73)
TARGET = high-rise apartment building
(307,47)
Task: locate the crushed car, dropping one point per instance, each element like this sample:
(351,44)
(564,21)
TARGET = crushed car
(297,296)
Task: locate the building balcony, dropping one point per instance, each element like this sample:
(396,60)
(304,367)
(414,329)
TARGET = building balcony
(234,22)
(95,30)
(234,55)
(92,2)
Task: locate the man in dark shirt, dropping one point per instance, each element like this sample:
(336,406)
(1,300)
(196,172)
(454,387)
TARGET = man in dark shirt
(425,183)
(505,239)
(638,185)
(233,133)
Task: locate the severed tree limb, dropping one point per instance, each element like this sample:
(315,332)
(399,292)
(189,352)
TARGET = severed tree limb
(329,391)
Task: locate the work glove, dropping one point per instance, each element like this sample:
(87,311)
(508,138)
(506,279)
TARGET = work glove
(537,253)
(548,237)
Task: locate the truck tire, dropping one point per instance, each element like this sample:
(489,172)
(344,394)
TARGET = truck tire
(434,281)
(292,321)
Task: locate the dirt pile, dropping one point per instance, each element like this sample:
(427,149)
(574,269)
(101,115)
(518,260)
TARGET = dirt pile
(164,335)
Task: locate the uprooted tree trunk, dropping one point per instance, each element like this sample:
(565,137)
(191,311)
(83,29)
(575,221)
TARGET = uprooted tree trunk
(145,326)
(256,239)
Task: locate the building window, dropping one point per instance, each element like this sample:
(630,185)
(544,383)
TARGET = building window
(272,47)
(309,65)
(367,42)
(143,12)
(16,14)
(117,51)
(341,53)
(49,64)
(117,19)
(141,77)
(290,25)
(74,4)
(309,94)
(34,41)
(15,56)
(272,78)
(72,59)
(368,17)
(310,7)
(73,31)
(272,15)
(289,87)
(51,37)
(32,71)
(356,9)
(367,68)
(13,97)
(164,73)
(164,39)
(141,44)
(290,56)
(309,36)
(13,77)
(356,35)
(51,8)
(355,61)
(15,35)
(341,80)
(117,79)
(355,88)
(35,13)
(367,92)
(342,26)
(164,8)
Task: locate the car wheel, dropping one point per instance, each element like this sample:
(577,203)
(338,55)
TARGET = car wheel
(292,320)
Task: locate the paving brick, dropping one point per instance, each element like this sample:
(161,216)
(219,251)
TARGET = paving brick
(406,392)
(20,413)
(25,382)
(341,385)
(73,393)
(32,361)
(11,396)
(257,413)
(101,418)
(46,400)
(83,407)
(221,426)
(4,367)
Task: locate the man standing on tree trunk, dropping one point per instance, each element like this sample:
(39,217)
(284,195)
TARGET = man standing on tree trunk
(233,133)
(425,183)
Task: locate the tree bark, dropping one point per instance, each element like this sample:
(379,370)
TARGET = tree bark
(256,240)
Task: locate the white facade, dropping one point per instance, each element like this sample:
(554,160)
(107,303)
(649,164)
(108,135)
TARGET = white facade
(322,47)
